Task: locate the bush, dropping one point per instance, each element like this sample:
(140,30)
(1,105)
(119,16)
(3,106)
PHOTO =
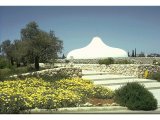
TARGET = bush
(107,61)
(5,73)
(53,77)
(155,62)
(123,62)
(4,63)
(31,68)
(136,97)
(154,76)
(102,93)
(19,70)
(67,61)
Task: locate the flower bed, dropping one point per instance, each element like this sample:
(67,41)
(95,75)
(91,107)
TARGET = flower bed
(36,93)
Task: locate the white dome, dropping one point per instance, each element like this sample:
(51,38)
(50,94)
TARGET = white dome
(96,50)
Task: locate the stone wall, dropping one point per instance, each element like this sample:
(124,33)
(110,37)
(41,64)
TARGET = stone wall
(69,72)
(135,60)
(94,67)
(136,70)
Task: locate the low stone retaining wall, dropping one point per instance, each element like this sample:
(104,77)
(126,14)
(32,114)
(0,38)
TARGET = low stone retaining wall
(137,70)
(94,67)
(69,72)
(135,60)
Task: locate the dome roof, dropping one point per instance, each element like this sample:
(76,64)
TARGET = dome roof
(96,49)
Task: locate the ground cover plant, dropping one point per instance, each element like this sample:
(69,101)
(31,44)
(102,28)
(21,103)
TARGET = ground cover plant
(31,93)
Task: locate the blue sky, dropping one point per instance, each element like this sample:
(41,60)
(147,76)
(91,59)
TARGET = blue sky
(118,26)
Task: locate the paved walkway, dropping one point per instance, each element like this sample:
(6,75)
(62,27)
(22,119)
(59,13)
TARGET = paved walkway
(95,110)
(116,81)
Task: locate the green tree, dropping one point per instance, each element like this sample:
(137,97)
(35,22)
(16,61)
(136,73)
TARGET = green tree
(135,54)
(128,54)
(132,53)
(51,48)
(5,46)
(63,56)
(42,46)
(6,49)
(19,52)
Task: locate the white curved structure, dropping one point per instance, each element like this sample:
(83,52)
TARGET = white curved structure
(96,50)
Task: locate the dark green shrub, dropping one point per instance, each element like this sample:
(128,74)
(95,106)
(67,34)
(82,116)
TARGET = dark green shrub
(123,62)
(107,61)
(20,70)
(155,62)
(4,73)
(67,61)
(54,77)
(30,68)
(154,76)
(4,63)
(136,97)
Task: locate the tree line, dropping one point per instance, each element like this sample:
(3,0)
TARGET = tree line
(35,45)
(134,54)
(142,54)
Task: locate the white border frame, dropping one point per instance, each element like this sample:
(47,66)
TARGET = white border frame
(79,2)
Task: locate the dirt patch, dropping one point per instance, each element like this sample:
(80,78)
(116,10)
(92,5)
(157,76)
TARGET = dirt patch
(100,102)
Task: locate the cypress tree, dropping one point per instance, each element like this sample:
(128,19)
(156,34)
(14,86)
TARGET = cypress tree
(132,53)
(135,53)
(63,56)
(128,54)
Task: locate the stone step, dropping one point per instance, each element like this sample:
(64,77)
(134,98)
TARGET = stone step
(122,81)
(149,86)
(107,77)
(97,73)
(86,73)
